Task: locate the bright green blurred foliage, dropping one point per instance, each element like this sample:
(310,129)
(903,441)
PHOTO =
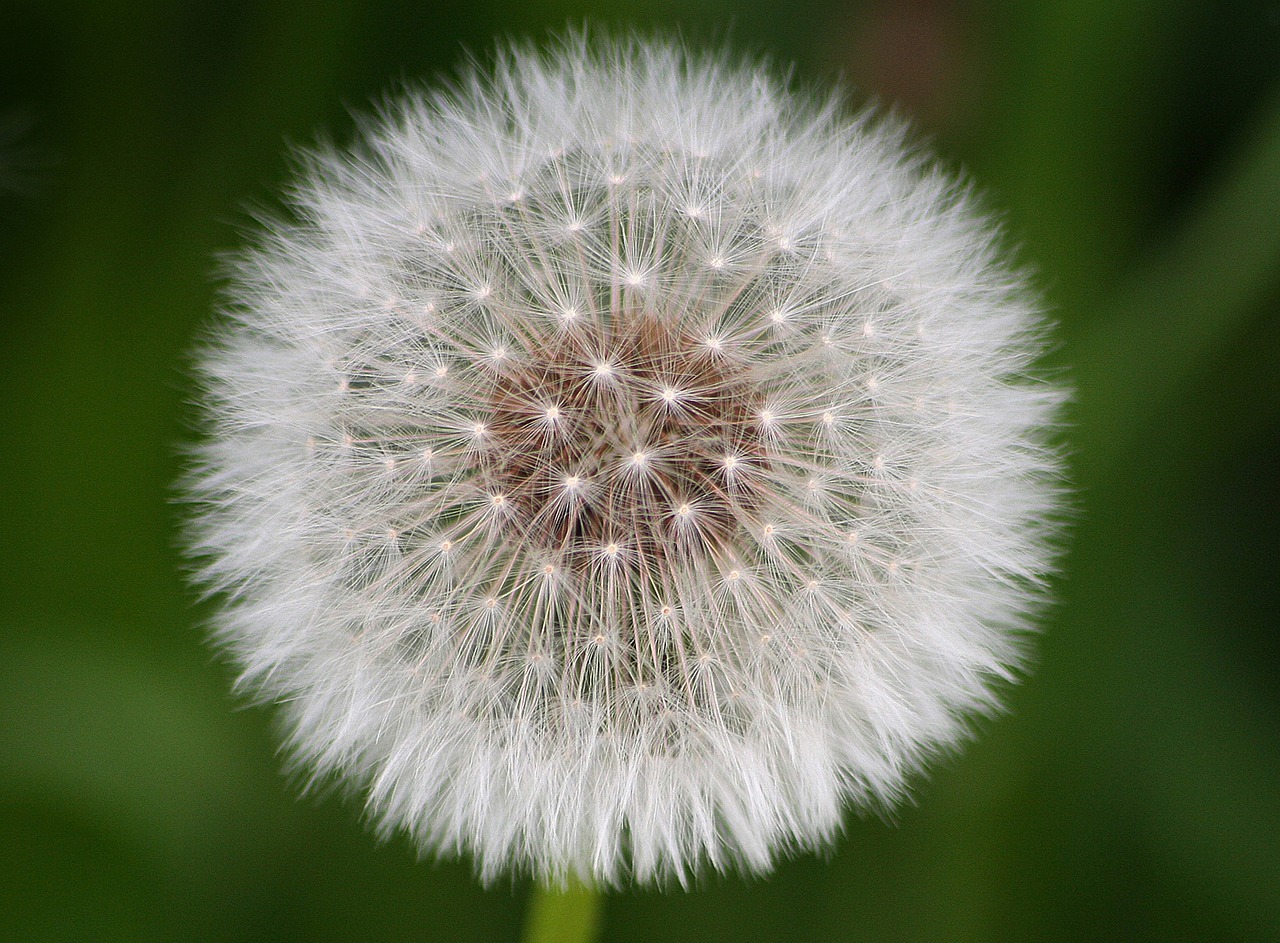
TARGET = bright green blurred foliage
(1132,792)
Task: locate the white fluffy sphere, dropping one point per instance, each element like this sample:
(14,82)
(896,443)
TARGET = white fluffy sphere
(619,464)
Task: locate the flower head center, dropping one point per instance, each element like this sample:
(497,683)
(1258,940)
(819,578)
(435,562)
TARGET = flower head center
(653,441)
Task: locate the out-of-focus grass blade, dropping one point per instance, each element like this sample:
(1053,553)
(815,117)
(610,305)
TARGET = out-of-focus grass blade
(1183,307)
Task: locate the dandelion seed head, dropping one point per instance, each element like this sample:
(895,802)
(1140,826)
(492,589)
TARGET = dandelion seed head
(666,530)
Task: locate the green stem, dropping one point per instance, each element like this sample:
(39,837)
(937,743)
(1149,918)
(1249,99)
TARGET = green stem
(569,914)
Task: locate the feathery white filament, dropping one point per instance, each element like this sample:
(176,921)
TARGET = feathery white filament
(620,465)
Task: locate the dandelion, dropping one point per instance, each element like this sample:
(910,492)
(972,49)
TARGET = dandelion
(620,465)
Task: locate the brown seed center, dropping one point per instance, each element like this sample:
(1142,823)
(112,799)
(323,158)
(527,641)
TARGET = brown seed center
(646,437)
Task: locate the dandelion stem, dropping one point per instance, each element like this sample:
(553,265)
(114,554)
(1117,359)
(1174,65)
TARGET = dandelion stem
(569,914)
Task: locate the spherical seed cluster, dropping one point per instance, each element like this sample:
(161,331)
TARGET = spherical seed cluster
(620,464)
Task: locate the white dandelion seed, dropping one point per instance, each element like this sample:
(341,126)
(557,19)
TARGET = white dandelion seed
(665,580)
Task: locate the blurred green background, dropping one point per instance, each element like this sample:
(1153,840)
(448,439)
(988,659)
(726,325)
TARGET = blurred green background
(1132,792)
